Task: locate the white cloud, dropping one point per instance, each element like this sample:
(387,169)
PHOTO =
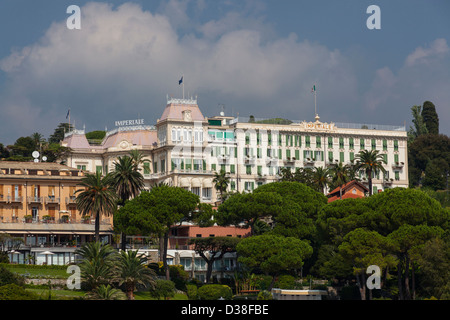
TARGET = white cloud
(124,60)
(422,55)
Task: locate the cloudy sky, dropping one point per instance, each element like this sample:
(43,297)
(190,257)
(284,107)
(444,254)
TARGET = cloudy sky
(254,57)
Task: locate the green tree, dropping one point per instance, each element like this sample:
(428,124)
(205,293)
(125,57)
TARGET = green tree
(157,211)
(424,150)
(248,208)
(221,181)
(430,117)
(58,134)
(212,249)
(96,199)
(371,162)
(419,125)
(362,248)
(131,269)
(340,175)
(163,288)
(321,178)
(406,239)
(273,254)
(128,183)
(433,260)
(96,262)
(106,292)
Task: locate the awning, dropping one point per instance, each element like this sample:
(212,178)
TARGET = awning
(184,182)
(207,183)
(195,183)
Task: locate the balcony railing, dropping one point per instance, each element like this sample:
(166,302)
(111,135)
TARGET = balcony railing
(14,199)
(34,199)
(51,199)
(71,200)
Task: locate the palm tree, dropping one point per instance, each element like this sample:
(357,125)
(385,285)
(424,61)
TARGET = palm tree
(340,176)
(106,292)
(321,178)
(221,181)
(127,181)
(98,198)
(131,269)
(137,157)
(371,162)
(96,263)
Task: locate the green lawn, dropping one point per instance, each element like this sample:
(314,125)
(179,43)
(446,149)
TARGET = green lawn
(38,272)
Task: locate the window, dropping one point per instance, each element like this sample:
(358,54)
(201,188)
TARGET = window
(374,144)
(248,169)
(233,184)
(247,138)
(98,169)
(147,167)
(288,154)
(351,143)
(249,186)
(196,190)
(232,168)
(297,154)
(395,145)
(269,139)
(330,156)
(330,142)
(258,138)
(341,143)
(352,156)
(213,166)
(279,154)
(81,167)
(384,145)
(396,158)
(397,175)
(259,170)
(318,142)
(361,144)
(308,141)
(206,193)
(341,157)
(385,158)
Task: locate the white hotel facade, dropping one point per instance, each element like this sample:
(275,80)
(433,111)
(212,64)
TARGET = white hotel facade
(185,149)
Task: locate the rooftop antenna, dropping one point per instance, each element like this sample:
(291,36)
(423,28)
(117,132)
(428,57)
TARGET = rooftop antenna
(222,106)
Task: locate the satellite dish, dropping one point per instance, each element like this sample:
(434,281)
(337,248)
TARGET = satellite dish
(35,154)
(44,158)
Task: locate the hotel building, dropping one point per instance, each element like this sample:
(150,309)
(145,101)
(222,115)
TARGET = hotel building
(37,205)
(185,149)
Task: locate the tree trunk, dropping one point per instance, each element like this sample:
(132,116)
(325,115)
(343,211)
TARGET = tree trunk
(166,244)
(413,281)
(370,183)
(97,227)
(407,289)
(123,243)
(399,281)
(362,286)
(130,291)
(272,283)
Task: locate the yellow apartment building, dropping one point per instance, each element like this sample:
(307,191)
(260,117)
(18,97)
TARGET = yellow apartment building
(37,204)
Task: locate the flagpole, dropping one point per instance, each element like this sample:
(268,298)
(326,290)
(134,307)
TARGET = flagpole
(182,77)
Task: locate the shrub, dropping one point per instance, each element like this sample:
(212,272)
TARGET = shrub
(8,277)
(14,292)
(191,291)
(214,292)
(265,295)
(163,288)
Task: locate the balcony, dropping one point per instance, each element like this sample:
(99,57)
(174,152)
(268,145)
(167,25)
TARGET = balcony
(308,162)
(398,165)
(223,158)
(34,200)
(51,199)
(14,199)
(71,200)
(249,159)
(289,160)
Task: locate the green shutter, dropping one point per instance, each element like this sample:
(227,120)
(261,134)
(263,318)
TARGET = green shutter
(297,154)
(232,168)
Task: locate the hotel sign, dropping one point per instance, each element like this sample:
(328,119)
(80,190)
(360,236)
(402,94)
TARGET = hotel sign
(127,123)
(318,125)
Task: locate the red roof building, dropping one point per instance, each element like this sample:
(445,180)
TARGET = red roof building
(352,189)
